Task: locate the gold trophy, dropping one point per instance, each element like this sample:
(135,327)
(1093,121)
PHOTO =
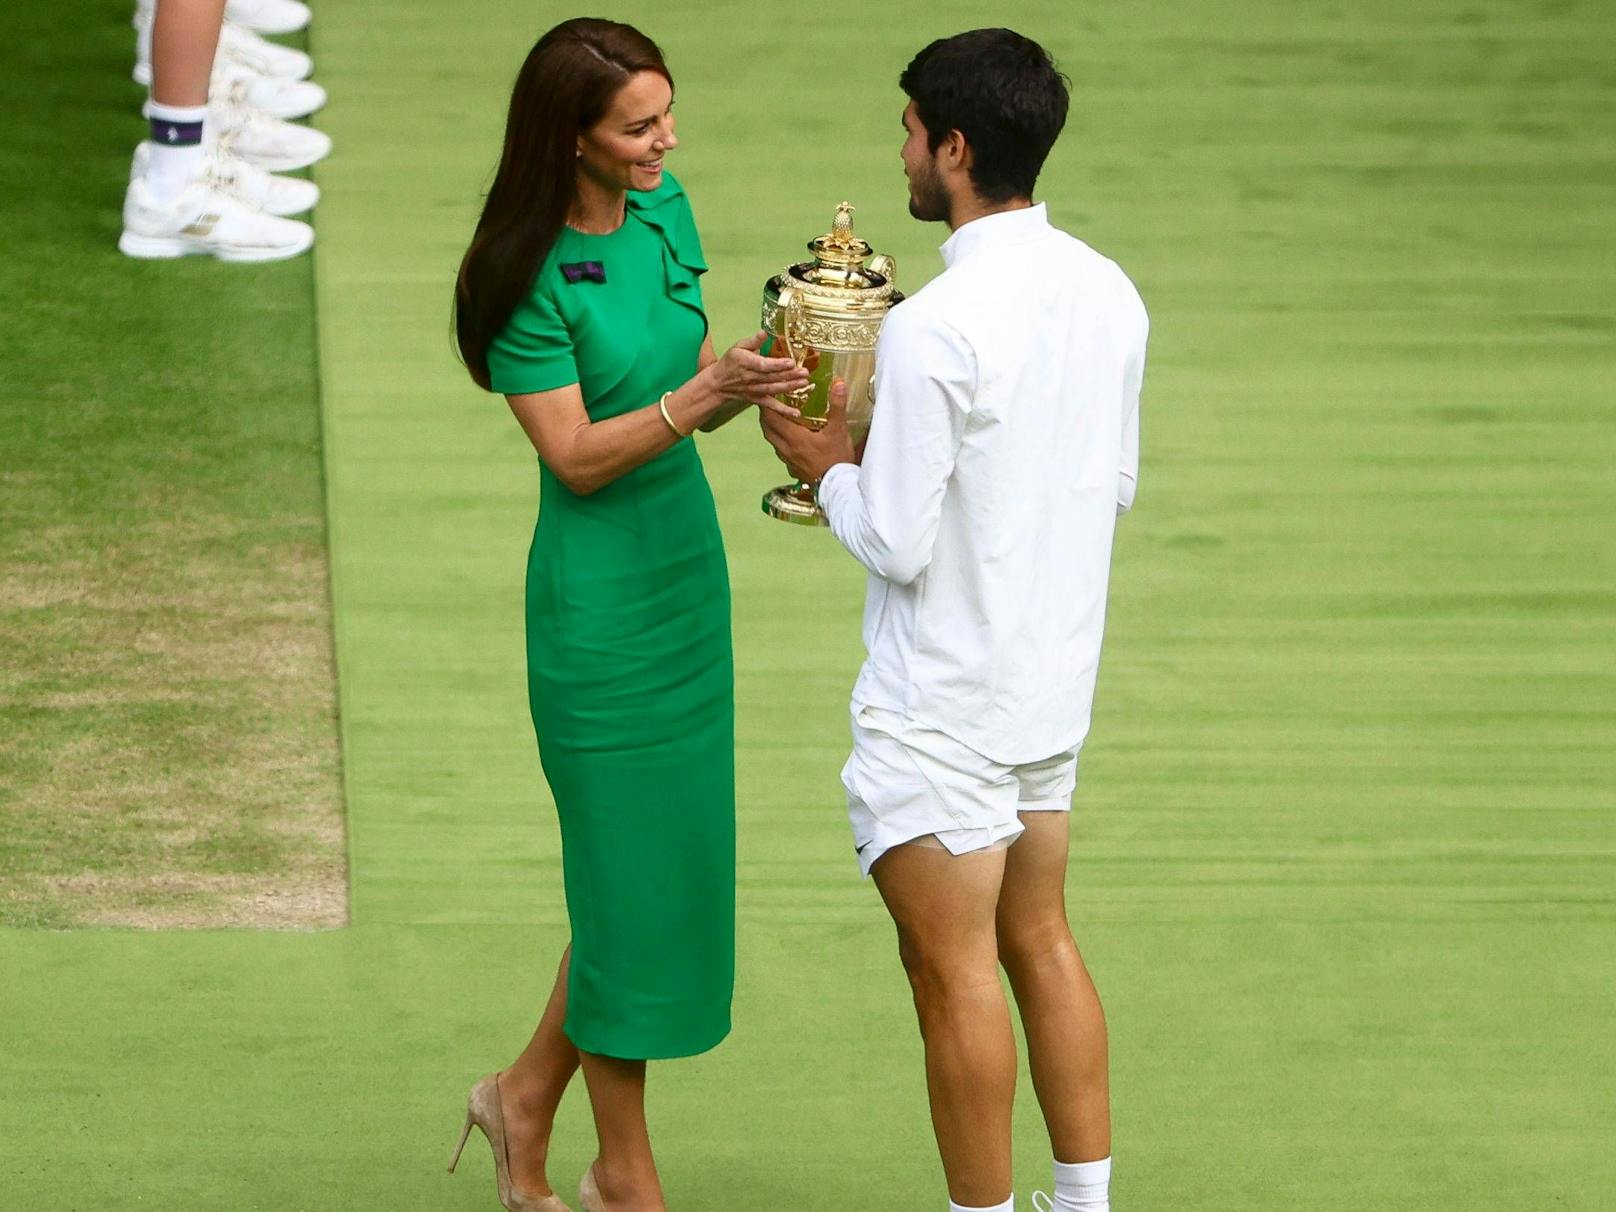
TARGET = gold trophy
(825,315)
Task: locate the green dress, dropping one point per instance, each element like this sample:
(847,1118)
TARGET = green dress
(630,666)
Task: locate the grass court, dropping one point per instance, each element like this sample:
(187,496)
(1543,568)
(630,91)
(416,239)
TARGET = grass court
(1345,850)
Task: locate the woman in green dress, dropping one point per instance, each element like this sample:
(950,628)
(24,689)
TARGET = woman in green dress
(580,300)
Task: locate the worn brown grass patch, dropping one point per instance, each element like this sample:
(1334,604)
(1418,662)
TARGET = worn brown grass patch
(170,753)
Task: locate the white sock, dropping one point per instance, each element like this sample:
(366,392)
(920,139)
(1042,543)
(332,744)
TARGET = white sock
(1008,1205)
(1083,1186)
(173,167)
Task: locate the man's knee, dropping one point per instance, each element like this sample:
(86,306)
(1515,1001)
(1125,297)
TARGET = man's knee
(945,967)
(1031,942)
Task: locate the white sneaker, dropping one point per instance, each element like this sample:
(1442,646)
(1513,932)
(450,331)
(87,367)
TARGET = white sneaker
(263,141)
(204,221)
(232,175)
(269,94)
(237,45)
(143,24)
(269,16)
(261,55)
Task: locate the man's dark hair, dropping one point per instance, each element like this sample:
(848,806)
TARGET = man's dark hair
(1003,93)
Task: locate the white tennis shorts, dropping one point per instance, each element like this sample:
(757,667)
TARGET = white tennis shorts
(906,781)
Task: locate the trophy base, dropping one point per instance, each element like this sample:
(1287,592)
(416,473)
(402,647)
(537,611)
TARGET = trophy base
(794,503)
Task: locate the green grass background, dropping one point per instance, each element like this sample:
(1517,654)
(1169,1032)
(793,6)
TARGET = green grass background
(1345,858)
(167,736)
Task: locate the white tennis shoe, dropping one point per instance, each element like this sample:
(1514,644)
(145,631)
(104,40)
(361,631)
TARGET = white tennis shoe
(241,45)
(206,221)
(269,94)
(263,141)
(231,174)
(269,16)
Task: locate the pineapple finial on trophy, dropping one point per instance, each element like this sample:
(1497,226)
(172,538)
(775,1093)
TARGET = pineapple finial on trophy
(841,231)
(839,248)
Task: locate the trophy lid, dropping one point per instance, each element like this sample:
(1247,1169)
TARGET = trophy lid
(839,256)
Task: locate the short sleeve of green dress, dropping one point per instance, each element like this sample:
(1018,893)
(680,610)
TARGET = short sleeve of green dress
(534,352)
(630,671)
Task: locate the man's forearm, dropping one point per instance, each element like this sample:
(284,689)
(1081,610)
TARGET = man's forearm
(896,558)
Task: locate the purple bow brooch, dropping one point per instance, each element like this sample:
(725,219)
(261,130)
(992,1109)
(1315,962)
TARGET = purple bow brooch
(584,271)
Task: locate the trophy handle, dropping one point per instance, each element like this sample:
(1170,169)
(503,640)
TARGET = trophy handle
(791,325)
(885,266)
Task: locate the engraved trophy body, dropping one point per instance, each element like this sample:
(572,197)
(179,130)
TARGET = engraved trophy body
(825,314)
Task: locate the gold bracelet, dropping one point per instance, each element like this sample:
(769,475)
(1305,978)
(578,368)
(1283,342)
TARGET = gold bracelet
(662,406)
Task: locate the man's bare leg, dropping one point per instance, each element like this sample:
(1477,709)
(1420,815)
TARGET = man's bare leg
(944,907)
(1060,1008)
(185,35)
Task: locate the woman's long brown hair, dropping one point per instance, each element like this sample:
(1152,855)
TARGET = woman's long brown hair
(563,89)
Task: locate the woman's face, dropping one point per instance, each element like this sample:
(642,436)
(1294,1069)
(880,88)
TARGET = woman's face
(624,149)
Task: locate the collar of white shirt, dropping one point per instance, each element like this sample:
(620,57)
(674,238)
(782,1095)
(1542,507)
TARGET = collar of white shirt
(1002,227)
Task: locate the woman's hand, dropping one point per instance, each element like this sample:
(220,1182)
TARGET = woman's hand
(744,374)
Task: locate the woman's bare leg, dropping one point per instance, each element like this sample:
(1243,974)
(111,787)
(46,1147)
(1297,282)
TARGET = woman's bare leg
(530,1090)
(625,1170)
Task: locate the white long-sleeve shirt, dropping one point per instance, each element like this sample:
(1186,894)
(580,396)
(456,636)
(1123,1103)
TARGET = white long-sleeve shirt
(1004,445)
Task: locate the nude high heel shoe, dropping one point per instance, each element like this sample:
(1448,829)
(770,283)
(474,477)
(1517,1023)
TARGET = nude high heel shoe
(483,1110)
(589,1192)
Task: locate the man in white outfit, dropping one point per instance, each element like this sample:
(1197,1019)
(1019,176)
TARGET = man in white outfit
(1003,448)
